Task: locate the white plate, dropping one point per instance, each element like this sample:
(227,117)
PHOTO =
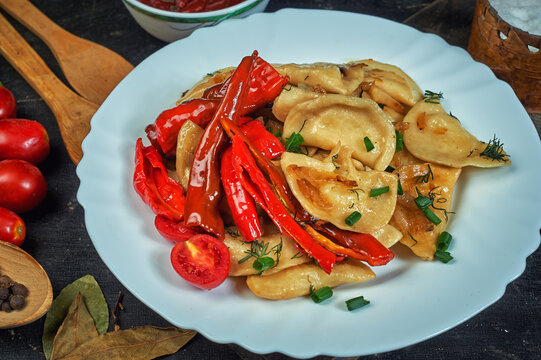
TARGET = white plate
(495,228)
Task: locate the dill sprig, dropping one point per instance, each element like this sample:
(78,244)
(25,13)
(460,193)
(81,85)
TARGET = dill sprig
(432,97)
(426,177)
(234,234)
(334,157)
(494,150)
(257,250)
(355,191)
(441,200)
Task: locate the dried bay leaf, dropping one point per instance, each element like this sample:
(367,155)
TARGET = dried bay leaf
(94,301)
(78,328)
(144,342)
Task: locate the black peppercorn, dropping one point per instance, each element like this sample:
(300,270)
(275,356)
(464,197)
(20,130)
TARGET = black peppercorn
(5,281)
(16,302)
(4,293)
(19,289)
(6,307)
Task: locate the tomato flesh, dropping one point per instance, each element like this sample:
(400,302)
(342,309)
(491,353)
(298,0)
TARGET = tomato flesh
(12,227)
(22,185)
(202,260)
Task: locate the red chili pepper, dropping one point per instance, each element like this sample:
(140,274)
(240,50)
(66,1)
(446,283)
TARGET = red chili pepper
(173,231)
(169,122)
(240,202)
(151,181)
(266,85)
(204,191)
(372,251)
(274,174)
(278,213)
(269,145)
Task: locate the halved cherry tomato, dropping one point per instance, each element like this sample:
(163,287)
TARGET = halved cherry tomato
(8,106)
(24,140)
(173,231)
(22,185)
(12,228)
(203,261)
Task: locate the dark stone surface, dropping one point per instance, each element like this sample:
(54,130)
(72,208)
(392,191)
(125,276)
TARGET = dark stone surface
(57,238)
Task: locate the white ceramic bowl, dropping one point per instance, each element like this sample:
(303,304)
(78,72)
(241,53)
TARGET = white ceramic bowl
(170,26)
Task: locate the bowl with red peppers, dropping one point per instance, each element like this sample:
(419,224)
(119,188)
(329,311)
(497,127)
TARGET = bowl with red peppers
(170,20)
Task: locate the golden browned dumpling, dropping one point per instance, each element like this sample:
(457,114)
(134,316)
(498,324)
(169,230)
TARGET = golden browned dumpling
(434,136)
(329,119)
(436,183)
(324,77)
(299,280)
(332,190)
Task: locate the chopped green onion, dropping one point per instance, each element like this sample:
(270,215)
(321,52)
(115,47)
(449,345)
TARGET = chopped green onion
(322,294)
(399,189)
(293,143)
(389,169)
(379,191)
(443,241)
(368,144)
(399,142)
(353,218)
(356,303)
(423,202)
(278,134)
(263,263)
(431,216)
(443,256)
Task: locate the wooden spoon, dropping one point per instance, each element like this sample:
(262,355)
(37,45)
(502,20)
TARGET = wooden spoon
(23,268)
(72,112)
(91,69)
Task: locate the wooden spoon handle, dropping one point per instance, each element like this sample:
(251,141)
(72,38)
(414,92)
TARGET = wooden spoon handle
(72,112)
(32,67)
(30,16)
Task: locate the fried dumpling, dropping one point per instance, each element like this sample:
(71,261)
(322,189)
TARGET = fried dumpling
(330,190)
(329,119)
(434,136)
(436,183)
(299,280)
(288,98)
(324,77)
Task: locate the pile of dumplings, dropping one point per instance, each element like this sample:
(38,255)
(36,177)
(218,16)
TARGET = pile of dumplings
(335,107)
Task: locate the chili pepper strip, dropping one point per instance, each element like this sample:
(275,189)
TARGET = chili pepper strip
(240,202)
(276,210)
(169,122)
(274,174)
(374,253)
(269,145)
(174,231)
(204,190)
(151,181)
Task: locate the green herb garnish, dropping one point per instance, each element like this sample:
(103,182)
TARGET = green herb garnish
(494,150)
(353,218)
(399,190)
(379,191)
(426,177)
(334,157)
(399,142)
(356,303)
(322,294)
(368,144)
(432,97)
(263,263)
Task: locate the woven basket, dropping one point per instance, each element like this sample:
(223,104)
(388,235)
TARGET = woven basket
(508,54)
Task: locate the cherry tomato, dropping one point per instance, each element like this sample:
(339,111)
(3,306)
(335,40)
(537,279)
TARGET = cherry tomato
(8,106)
(22,186)
(202,260)
(173,231)
(12,228)
(24,140)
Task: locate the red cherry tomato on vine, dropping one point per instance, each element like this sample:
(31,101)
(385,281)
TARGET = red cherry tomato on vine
(12,228)
(202,260)
(24,140)
(22,185)
(8,106)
